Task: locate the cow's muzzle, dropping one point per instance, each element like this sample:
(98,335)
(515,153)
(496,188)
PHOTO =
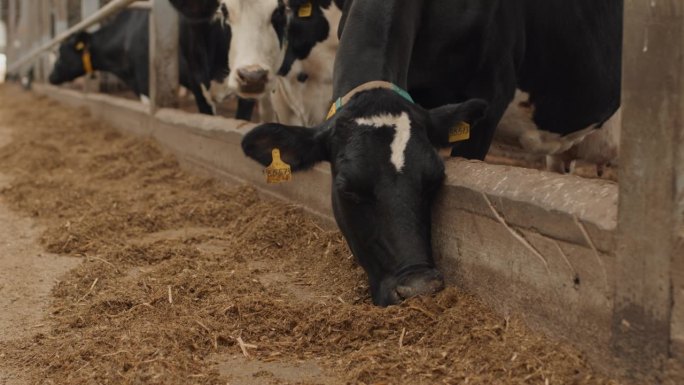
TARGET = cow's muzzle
(421,283)
(413,284)
(54,79)
(252,79)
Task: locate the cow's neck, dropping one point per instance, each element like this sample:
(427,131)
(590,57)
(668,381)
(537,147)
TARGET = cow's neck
(105,57)
(376,43)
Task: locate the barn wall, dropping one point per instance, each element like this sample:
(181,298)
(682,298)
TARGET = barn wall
(530,243)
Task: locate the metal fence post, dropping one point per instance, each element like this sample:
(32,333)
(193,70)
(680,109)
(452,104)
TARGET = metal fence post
(11,30)
(647,263)
(89,7)
(45,21)
(61,12)
(163,55)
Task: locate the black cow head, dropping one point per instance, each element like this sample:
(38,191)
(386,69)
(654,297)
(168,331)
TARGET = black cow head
(69,64)
(386,173)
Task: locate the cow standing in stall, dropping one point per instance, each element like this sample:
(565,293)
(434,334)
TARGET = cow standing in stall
(122,48)
(282,54)
(461,62)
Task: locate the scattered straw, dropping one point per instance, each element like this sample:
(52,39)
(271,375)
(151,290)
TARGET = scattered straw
(213,253)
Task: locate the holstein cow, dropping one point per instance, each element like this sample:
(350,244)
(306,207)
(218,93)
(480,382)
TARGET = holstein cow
(282,53)
(122,48)
(461,60)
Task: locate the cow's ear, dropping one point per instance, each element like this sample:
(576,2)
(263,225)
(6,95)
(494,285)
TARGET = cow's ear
(446,118)
(300,147)
(82,41)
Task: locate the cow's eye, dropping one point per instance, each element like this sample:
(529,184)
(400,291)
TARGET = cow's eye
(358,197)
(352,196)
(224,13)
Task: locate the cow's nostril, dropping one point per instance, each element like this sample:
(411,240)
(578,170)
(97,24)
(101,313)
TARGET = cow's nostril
(422,283)
(252,75)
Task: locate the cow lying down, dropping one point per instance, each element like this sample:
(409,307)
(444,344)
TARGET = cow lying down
(121,47)
(596,145)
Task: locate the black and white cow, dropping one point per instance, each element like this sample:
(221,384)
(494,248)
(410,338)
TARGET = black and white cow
(461,60)
(122,48)
(282,53)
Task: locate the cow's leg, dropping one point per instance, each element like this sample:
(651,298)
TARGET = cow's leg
(204,105)
(245,109)
(562,163)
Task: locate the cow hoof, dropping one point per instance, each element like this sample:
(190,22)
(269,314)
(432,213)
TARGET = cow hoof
(422,283)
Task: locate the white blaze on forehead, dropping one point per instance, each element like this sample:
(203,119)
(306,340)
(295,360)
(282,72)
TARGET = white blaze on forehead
(402,134)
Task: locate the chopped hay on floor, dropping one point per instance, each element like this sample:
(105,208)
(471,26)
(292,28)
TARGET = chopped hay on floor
(180,271)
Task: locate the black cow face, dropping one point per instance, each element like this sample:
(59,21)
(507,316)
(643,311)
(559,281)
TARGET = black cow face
(386,173)
(69,64)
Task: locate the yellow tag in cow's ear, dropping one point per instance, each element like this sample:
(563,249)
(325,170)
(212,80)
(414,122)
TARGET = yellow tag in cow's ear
(305,10)
(278,171)
(459,132)
(332,111)
(80,46)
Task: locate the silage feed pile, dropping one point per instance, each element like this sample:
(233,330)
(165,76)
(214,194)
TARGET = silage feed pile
(187,281)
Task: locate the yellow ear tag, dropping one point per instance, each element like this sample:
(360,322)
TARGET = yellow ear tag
(278,171)
(305,10)
(459,132)
(332,111)
(80,46)
(87,62)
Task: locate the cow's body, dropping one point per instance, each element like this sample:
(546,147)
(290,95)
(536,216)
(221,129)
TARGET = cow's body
(381,145)
(565,54)
(122,48)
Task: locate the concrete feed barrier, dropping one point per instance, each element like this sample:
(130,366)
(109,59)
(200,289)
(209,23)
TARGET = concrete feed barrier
(530,243)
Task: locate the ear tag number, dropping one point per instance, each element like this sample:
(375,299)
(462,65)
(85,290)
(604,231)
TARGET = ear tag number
(459,132)
(305,10)
(278,171)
